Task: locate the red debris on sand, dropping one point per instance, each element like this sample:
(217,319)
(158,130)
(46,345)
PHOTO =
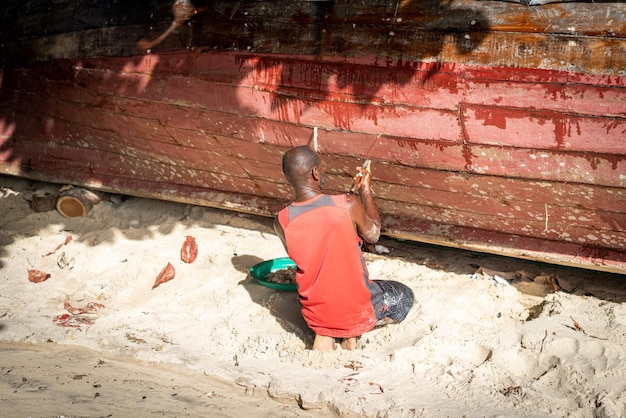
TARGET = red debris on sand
(189,252)
(37,276)
(90,308)
(67,241)
(74,318)
(71,321)
(165,275)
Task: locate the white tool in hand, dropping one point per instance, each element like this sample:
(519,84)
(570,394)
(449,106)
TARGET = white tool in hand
(358,179)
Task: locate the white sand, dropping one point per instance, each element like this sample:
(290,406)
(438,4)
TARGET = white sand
(471,352)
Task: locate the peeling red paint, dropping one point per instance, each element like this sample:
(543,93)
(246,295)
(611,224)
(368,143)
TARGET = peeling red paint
(490,117)
(446,150)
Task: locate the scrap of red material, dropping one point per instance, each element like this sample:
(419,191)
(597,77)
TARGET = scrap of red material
(165,275)
(71,321)
(91,307)
(75,318)
(37,276)
(67,241)
(189,251)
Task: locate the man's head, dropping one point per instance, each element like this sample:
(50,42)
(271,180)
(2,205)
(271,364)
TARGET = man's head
(302,165)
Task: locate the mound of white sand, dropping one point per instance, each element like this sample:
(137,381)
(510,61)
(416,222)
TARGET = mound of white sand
(479,347)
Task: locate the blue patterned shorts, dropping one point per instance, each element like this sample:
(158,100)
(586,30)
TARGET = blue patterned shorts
(394,301)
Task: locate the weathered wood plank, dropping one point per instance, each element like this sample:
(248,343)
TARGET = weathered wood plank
(477,48)
(518,215)
(461,15)
(97,118)
(531,248)
(25,19)
(428,154)
(500,215)
(549,130)
(457,31)
(597,169)
(584,17)
(554,231)
(194,93)
(461,31)
(507,190)
(500,16)
(84,138)
(532,89)
(94,164)
(152,189)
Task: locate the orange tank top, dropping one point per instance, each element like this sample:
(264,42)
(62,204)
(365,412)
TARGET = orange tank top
(333,282)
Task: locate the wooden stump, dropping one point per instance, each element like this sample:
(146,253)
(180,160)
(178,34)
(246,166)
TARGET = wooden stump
(76,202)
(43,202)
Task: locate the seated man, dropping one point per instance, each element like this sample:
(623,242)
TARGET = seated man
(323,235)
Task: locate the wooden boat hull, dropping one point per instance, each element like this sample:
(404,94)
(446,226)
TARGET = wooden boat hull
(495,136)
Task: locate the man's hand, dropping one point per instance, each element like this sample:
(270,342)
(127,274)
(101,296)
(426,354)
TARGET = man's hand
(363,211)
(362,179)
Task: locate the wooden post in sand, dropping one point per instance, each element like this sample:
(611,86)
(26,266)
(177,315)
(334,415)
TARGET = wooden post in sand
(75,202)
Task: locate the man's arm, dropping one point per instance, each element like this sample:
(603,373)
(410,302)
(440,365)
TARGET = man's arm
(280,232)
(364,213)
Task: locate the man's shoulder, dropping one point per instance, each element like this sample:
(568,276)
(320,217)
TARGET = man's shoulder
(338,199)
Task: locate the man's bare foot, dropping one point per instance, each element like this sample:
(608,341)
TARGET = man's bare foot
(323,343)
(349,343)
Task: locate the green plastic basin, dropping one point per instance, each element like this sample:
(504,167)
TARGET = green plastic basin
(263,269)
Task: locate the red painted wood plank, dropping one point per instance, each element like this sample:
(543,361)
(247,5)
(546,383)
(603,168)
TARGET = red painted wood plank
(307,77)
(96,163)
(409,161)
(495,213)
(534,93)
(229,67)
(416,153)
(182,125)
(554,230)
(336,144)
(388,120)
(232,68)
(522,247)
(556,216)
(254,151)
(525,128)
(81,138)
(285,104)
(597,169)
(96,118)
(358,117)
(510,190)
(521,77)
(191,127)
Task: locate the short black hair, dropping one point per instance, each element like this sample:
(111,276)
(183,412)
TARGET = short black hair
(298,163)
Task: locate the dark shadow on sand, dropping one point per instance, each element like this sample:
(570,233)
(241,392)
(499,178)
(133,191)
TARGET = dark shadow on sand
(282,305)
